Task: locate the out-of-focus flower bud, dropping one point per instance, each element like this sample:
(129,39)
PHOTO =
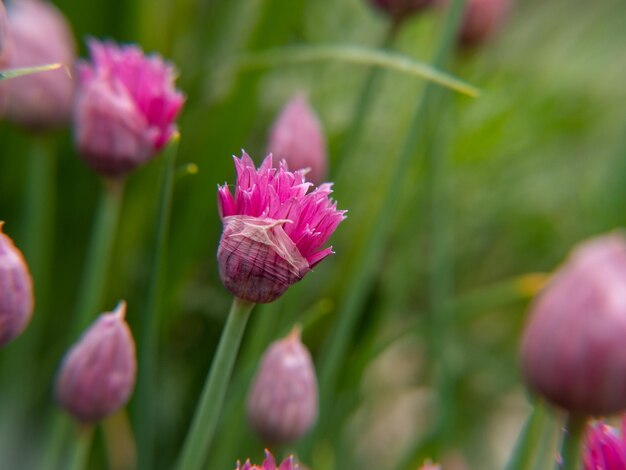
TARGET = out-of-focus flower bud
(298,138)
(274,229)
(270,464)
(428,465)
(97,375)
(38,34)
(16,291)
(572,350)
(282,402)
(482,19)
(604,448)
(398,10)
(125,108)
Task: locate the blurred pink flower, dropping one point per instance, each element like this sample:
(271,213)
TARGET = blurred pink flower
(482,19)
(572,349)
(298,138)
(16,291)
(38,34)
(269,464)
(282,401)
(125,107)
(605,448)
(98,373)
(274,229)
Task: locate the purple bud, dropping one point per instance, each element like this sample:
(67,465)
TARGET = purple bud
(97,375)
(16,291)
(282,402)
(298,138)
(604,448)
(400,9)
(572,349)
(125,108)
(38,34)
(482,19)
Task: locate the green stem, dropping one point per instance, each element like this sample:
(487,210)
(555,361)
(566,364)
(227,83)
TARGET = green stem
(38,236)
(334,351)
(145,410)
(206,417)
(80,452)
(362,108)
(98,259)
(571,446)
(529,440)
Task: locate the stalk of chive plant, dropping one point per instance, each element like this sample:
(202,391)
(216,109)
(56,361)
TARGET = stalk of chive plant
(361,279)
(207,414)
(38,236)
(148,352)
(571,446)
(362,107)
(82,443)
(273,235)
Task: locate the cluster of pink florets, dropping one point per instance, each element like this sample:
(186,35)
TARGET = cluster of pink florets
(279,194)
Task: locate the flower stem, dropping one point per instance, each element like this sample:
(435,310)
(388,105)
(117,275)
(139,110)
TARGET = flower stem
(80,452)
(334,352)
(362,107)
(571,445)
(148,352)
(529,440)
(38,236)
(98,258)
(207,413)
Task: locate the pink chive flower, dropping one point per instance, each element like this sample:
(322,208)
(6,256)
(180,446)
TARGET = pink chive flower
(572,349)
(298,138)
(270,464)
(605,448)
(282,401)
(37,34)
(125,107)
(274,229)
(16,291)
(97,376)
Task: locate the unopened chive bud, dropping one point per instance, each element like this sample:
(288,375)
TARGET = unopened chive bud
(298,138)
(16,291)
(282,402)
(572,350)
(98,373)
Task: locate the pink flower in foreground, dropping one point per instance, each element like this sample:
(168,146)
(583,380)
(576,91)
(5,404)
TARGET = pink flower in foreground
(298,138)
(572,349)
(269,464)
(97,375)
(38,34)
(274,229)
(605,448)
(125,107)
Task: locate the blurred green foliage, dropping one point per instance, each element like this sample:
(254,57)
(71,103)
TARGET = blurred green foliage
(534,165)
